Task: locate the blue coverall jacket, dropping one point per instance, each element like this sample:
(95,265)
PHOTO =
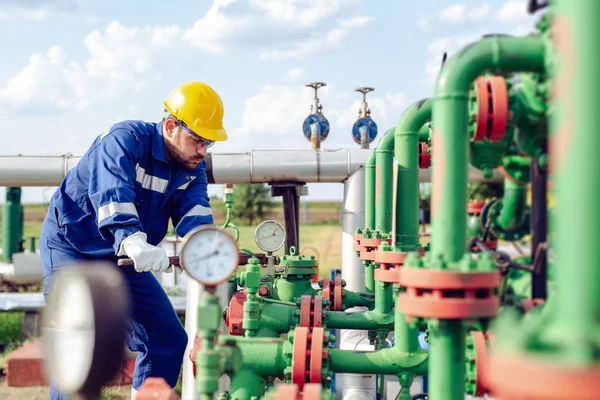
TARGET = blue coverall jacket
(124,184)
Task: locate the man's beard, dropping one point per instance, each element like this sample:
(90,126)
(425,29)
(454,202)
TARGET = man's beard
(179,158)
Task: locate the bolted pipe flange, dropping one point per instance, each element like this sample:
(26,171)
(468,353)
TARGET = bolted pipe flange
(477,359)
(461,293)
(489,109)
(309,355)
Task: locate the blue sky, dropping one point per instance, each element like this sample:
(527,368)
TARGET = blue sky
(72,68)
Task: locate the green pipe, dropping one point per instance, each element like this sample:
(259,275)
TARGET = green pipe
(514,206)
(450,142)
(575,162)
(405,338)
(447,360)
(449,195)
(424,133)
(369,277)
(277,317)
(368,320)
(370,192)
(289,289)
(384,158)
(383,298)
(388,361)
(356,299)
(12,223)
(406,152)
(264,356)
(245,385)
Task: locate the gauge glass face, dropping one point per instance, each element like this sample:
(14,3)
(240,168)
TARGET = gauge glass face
(270,236)
(209,255)
(69,334)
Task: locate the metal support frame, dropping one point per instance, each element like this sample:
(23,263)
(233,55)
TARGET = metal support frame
(539,228)
(291,192)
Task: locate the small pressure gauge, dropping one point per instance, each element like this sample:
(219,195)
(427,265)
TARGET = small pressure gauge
(269,236)
(209,255)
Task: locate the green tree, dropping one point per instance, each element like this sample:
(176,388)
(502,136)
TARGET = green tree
(251,202)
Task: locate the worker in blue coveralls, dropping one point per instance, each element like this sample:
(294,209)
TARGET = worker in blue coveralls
(117,202)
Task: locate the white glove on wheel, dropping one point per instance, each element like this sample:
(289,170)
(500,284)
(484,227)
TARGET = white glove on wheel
(145,257)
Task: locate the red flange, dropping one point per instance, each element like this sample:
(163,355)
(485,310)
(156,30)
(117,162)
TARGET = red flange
(235,314)
(424,156)
(289,391)
(448,294)
(527,377)
(492,115)
(499,96)
(308,356)
(332,291)
(317,312)
(483,105)
(299,356)
(481,341)
(475,207)
(385,274)
(305,305)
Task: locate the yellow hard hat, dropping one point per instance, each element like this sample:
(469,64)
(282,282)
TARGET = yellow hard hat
(200,108)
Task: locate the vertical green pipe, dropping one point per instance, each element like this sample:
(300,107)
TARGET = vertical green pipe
(406,152)
(405,337)
(514,206)
(370,192)
(383,298)
(383,195)
(369,277)
(450,167)
(450,140)
(12,223)
(575,164)
(447,360)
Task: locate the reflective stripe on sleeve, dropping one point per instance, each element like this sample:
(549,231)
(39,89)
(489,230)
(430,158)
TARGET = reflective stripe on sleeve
(110,209)
(149,181)
(196,211)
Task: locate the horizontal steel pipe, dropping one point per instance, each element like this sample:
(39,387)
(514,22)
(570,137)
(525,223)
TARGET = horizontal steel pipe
(261,166)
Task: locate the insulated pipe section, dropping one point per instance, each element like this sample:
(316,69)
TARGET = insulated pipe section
(253,167)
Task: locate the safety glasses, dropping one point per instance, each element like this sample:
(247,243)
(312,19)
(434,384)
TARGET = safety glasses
(203,142)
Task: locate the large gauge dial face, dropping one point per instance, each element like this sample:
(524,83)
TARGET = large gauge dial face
(269,235)
(209,255)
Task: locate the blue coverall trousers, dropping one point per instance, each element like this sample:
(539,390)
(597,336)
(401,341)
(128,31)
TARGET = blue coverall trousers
(154,330)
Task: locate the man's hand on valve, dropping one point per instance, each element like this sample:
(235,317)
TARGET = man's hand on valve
(146,257)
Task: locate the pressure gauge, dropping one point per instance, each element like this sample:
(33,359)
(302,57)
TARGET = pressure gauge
(84,327)
(209,255)
(269,235)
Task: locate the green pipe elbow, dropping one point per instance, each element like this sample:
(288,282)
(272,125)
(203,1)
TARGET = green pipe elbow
(246,384)
(384,158)
(406,152)
(450,112)
(509,217)
(278,318)
(367,320)
(355,299)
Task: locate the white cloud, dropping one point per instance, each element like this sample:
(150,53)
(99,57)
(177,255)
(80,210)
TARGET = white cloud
(436,49)
(456,14)
(513,11)
(294,74)
(266,24)
(120,59)
(318,42)
(34,9)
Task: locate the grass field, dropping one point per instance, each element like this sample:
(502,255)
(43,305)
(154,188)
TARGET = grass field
(321,238)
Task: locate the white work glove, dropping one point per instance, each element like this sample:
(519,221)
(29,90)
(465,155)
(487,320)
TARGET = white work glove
(145,257)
